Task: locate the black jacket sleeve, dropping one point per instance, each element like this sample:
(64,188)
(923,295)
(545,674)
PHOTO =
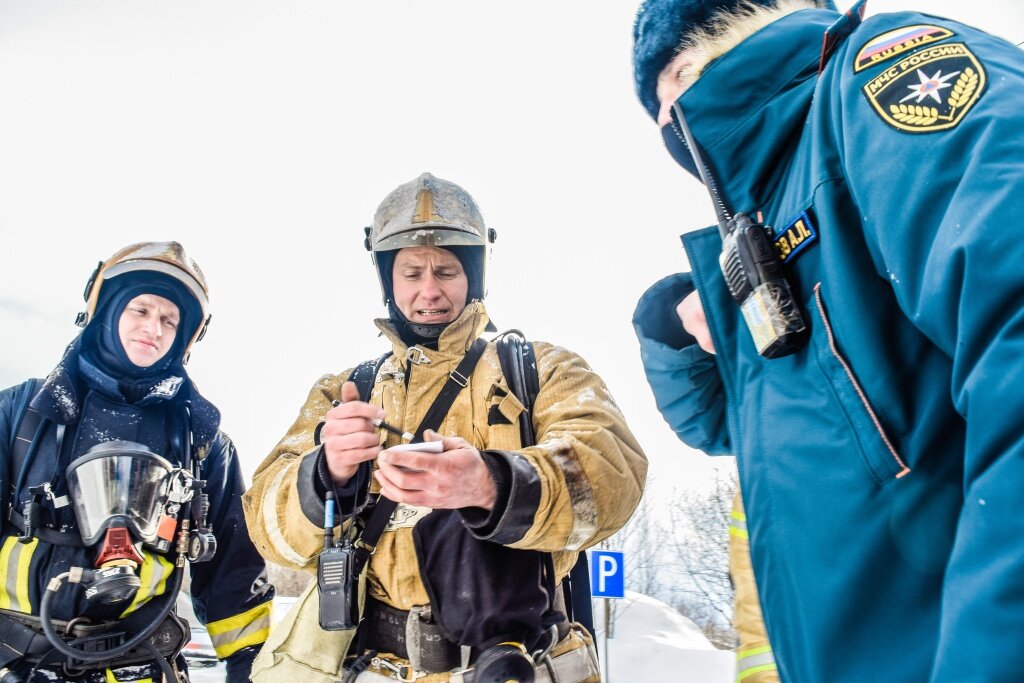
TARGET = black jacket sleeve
(230,593)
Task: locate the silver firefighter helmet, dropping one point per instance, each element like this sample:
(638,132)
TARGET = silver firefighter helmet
(430,212)
(167,258)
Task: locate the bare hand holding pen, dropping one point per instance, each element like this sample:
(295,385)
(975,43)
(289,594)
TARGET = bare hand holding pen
(349,435)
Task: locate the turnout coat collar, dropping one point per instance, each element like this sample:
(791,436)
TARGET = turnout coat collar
(454,341)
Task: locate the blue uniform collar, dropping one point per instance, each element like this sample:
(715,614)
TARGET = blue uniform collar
(749,105)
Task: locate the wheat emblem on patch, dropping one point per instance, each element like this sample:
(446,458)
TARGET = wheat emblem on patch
(931,90)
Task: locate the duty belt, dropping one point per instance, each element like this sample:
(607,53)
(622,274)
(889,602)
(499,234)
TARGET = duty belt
(415,636)
(579,664)
(22,639)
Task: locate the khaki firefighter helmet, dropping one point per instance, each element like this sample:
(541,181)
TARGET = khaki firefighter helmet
(168,258)
(428,212)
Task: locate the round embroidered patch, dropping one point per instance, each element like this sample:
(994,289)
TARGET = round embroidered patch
(931,90)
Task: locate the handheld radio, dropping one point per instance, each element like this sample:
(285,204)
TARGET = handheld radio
(752,270)
(335,576)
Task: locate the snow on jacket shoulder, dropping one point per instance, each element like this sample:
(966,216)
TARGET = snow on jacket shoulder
(230,593)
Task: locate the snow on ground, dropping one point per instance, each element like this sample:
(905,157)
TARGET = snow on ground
(653,643)
(650,643)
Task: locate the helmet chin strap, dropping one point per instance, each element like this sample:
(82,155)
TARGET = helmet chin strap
(427,330)
(424,334)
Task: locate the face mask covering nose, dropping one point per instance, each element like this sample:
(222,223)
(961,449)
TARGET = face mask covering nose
(675,143)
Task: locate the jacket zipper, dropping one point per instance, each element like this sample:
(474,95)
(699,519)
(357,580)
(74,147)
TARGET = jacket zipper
(856,385)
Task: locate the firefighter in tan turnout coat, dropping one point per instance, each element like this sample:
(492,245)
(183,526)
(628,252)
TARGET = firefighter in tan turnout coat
(509,507)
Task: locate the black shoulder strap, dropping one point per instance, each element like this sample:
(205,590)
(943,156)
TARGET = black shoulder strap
(26,428)
(365,374)
(24,423)
(457,381)
(519,365)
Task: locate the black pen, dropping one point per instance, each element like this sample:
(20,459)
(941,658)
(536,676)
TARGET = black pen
(406,436)
(378,422)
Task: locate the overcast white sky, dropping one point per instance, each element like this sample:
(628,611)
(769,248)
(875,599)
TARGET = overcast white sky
(262,135)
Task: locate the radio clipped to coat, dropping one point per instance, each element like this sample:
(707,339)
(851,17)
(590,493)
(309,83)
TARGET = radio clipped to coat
(751,267)
(336,577)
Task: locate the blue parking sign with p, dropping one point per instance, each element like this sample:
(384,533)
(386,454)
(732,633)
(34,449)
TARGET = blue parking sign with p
(607,574)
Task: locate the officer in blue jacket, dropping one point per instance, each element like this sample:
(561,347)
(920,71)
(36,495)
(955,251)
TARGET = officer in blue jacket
(882,456)
(115,465)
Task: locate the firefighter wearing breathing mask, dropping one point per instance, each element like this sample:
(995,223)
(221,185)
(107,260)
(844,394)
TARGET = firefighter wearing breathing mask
(113,472)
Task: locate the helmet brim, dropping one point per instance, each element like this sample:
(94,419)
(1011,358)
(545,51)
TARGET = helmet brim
(430,236)
(168,269)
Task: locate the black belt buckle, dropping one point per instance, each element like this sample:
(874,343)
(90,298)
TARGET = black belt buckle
(100,643)
(92,645)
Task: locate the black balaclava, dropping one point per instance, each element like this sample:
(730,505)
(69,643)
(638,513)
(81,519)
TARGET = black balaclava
(101,341)
(427,334)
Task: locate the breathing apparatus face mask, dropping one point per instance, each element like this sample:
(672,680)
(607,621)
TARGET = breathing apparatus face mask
(120,491)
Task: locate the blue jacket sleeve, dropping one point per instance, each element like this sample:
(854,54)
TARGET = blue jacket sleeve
(230,593)
(684,378)
(946,228)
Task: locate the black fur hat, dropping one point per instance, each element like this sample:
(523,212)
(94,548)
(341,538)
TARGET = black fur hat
(660,27)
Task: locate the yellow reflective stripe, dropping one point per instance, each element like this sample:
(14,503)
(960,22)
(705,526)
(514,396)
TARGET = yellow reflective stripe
(738,524)
(10,578)
(750,652)
(166,567)
(753,661)
(259,612)
(153,575)
(747,673)
(145,576)
(24,560)
(255,638)
(15,559)
(241,630)
(113,679)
